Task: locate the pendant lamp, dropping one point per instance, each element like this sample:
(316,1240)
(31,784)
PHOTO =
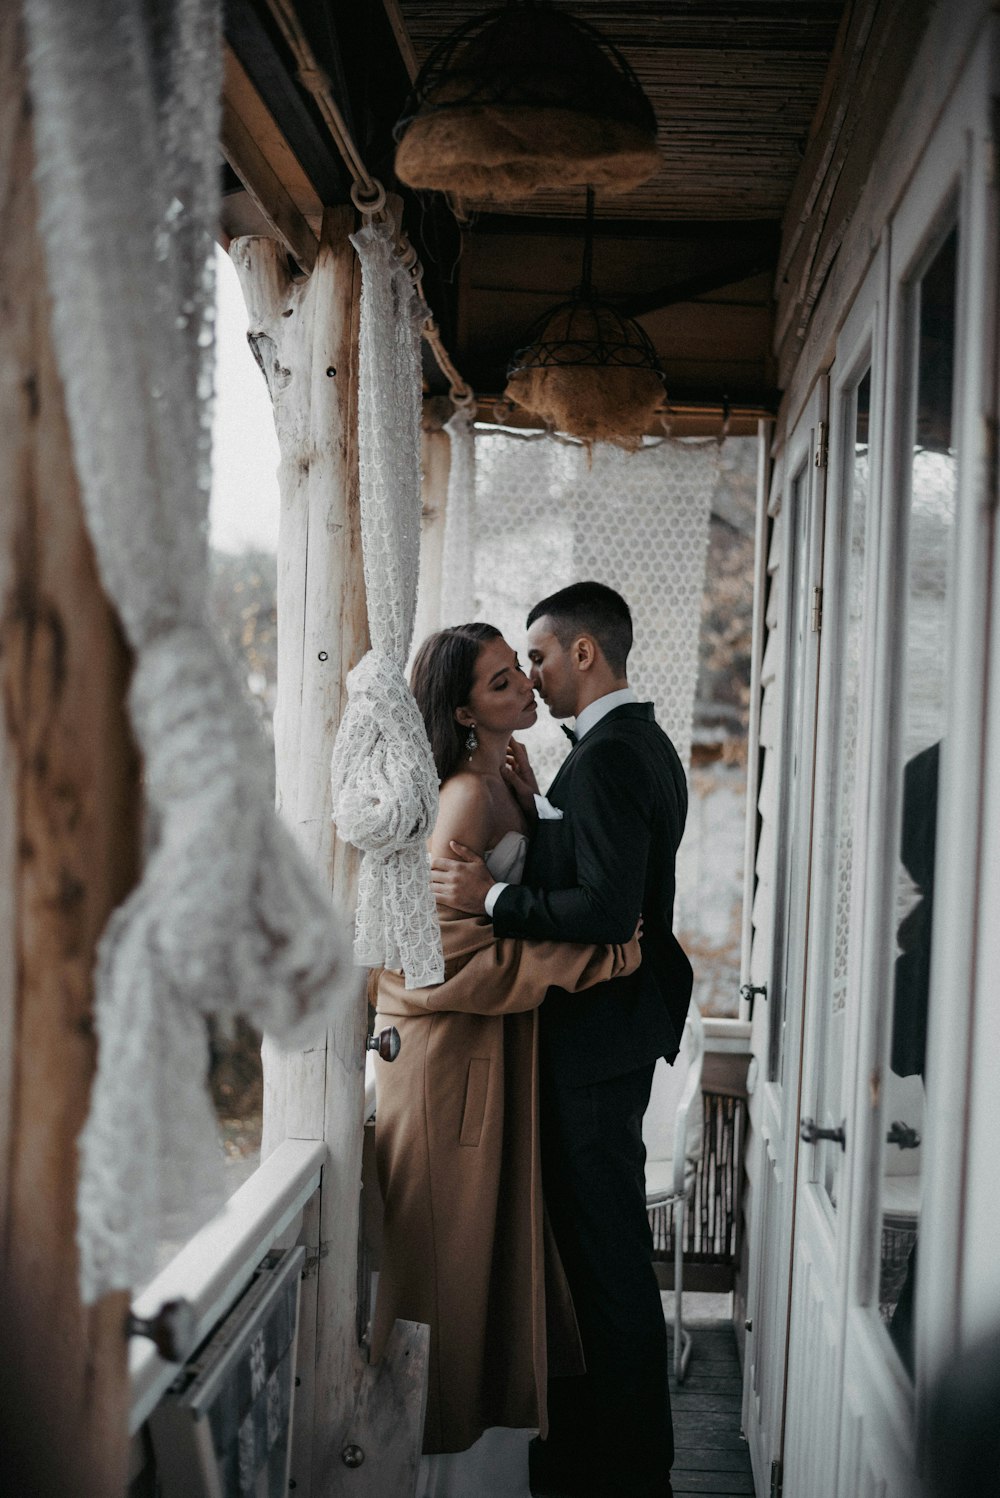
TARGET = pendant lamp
(523,99)
(587,370)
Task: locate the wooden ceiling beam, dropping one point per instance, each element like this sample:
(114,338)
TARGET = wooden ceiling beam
(688,418)
(256,42)
(680,230)
(265,168)
(402,35)
(265,189)
(675,292)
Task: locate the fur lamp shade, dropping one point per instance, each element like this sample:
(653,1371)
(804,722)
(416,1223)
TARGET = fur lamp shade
(591,374)
(522,100)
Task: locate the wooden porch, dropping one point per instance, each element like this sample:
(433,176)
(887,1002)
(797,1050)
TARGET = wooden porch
(701,266)
(711,1454)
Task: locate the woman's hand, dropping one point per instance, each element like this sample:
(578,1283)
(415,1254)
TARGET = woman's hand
(519,775)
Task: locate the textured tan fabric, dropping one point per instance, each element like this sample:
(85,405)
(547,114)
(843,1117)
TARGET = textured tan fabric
(465,1242)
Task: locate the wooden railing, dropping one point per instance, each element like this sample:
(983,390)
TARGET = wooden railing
(214,1267)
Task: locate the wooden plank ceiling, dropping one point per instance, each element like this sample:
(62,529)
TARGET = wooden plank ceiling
(693,253)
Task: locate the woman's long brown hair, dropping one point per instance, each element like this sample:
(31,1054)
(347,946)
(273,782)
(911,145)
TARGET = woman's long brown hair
(441,681)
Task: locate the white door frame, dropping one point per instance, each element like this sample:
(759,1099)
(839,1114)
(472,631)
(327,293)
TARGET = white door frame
(799,481)
(973,142)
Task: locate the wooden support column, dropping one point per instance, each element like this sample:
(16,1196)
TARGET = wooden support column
(69,853)
(305,337)
(435,465)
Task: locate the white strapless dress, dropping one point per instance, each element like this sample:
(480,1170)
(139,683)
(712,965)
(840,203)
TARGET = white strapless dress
(506,861)
(497,1465)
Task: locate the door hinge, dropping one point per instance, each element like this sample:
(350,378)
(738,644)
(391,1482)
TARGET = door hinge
(817,610)
(777,1480)
(822,444)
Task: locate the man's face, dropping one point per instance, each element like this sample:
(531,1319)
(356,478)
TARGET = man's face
(551,670)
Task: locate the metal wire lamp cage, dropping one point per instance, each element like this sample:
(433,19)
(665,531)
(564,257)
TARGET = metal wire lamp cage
(586,369)
(522,99)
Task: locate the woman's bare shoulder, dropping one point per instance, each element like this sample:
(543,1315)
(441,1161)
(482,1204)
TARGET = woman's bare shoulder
(465,814)
(465,788)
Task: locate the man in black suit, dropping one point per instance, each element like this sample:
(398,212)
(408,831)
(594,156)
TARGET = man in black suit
(602,857)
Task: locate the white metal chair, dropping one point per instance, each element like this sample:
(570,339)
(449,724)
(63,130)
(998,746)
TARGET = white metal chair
(673,1133)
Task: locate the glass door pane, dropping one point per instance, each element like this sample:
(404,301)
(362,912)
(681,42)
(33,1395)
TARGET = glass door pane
(796,742)
(846,722)
(928,527)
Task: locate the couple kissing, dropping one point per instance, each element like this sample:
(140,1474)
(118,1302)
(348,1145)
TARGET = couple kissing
(509,1130)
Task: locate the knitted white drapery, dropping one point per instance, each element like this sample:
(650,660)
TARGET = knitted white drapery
(547,514)
(458,548)
(228,918)
(385,790)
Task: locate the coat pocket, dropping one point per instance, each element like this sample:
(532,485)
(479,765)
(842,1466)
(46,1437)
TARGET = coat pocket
(476,1087)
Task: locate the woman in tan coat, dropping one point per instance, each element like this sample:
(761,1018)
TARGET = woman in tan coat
(466,1248)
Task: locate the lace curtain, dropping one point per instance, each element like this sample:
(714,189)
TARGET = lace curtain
(546,514)
(228,919)
(458,594)
(385,790)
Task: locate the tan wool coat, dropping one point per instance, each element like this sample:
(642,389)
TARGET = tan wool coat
(466,1246)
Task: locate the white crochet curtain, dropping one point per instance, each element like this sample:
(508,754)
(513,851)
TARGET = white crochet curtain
(458,593)
(385,791)
(547,513)
(228,919)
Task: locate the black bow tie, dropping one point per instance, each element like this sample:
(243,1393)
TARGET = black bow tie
(570,733)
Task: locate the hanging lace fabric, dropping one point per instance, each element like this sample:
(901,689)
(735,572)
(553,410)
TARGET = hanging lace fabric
(228,918)
(458,594)
(546,514)
(385,788)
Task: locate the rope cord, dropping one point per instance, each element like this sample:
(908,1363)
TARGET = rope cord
(368,194)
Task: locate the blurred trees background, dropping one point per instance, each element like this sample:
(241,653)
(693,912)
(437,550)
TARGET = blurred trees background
(243,603)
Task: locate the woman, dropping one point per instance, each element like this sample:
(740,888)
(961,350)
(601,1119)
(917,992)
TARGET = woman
(466,1247)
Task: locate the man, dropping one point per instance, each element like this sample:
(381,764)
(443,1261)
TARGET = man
(602,857)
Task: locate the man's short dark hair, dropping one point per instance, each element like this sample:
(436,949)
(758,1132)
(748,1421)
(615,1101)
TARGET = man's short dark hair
(589,609)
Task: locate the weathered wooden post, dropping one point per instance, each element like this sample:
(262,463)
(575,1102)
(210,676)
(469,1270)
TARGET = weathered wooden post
(69,853)
(305,337)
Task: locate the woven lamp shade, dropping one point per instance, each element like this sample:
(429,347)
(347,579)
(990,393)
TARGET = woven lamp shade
(590,373)
(523,99)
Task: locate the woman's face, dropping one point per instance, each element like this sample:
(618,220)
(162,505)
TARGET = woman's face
(501,699)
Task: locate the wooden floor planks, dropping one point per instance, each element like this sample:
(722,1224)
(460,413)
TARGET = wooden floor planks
(712,1459)
(711,1455)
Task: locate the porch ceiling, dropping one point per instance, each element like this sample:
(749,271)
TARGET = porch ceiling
(693,253)
(734,84)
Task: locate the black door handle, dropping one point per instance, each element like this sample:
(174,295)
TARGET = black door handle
(811,1133)
(900,1133)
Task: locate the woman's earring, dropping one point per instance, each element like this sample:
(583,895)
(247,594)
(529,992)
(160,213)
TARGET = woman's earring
(471,742)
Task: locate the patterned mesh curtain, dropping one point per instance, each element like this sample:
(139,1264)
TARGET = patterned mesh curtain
(458,547)
(546,514)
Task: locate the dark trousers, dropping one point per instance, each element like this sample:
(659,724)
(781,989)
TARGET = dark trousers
(614,1422)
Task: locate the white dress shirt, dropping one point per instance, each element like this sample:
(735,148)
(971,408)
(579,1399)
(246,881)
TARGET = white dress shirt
(588,719)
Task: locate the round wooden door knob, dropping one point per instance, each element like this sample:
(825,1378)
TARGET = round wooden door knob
(171,1329)
(386,1043)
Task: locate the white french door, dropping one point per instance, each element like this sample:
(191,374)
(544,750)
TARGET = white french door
(891,944)
(916,987)
(822,1220)
(800,517)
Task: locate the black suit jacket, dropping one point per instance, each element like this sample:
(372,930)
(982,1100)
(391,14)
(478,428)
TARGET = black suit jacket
(587,878)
